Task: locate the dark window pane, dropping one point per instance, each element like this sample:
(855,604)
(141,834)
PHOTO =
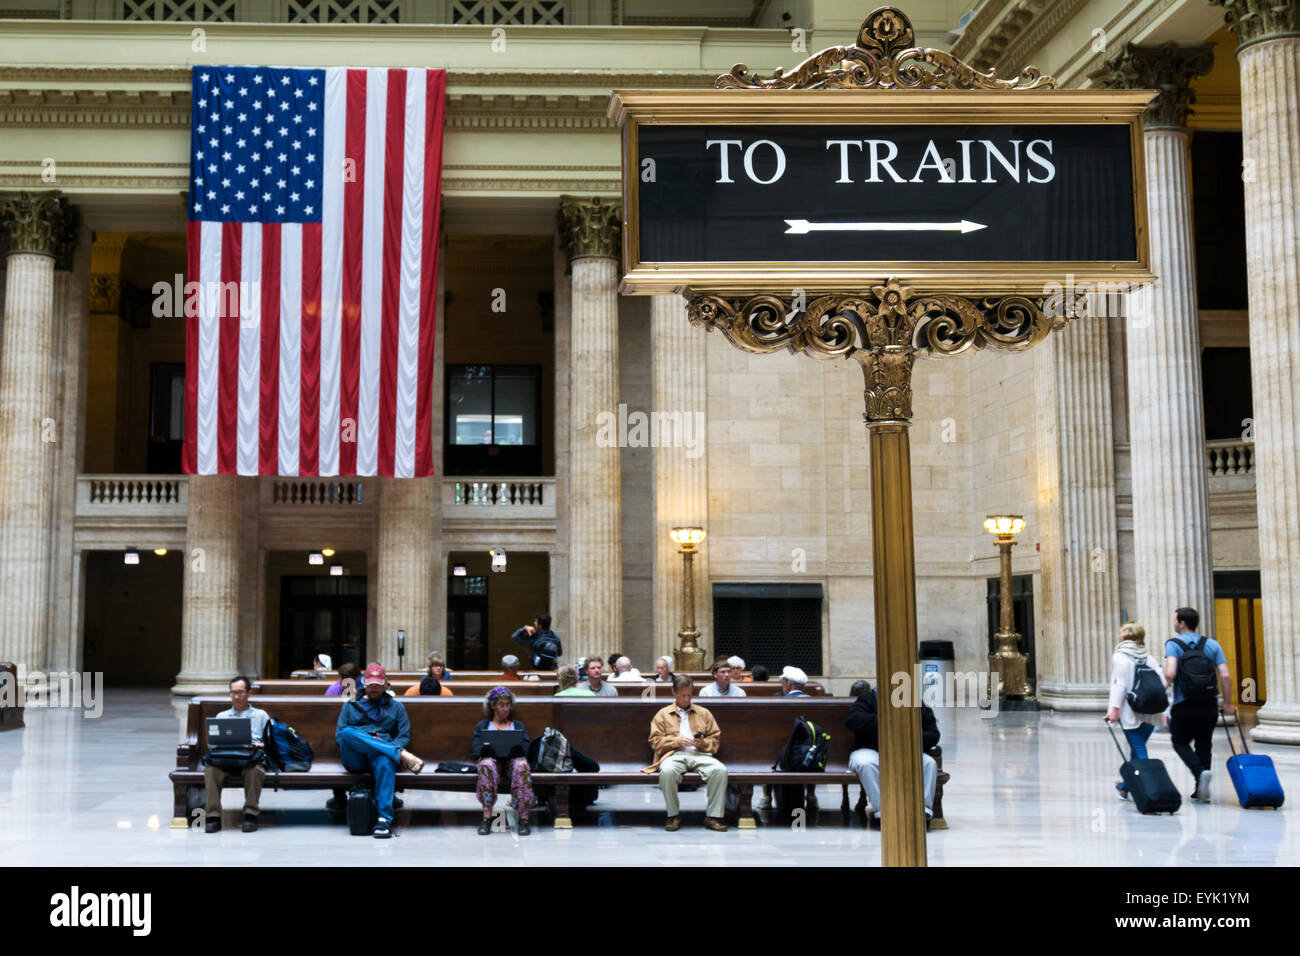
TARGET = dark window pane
(1225,388)
(470,401)
(1219,214)
(515,418)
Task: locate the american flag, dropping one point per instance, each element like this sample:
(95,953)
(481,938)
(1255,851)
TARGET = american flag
(313,240)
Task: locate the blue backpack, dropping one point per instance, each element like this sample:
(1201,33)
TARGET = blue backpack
(286,750)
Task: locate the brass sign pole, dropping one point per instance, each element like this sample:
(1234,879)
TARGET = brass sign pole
(859,311)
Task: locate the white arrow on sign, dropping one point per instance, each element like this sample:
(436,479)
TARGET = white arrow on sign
(801,227)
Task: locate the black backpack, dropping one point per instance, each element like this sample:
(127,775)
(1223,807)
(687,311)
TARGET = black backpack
(805,749)
(1197,676)
(546,649)
(1147,695)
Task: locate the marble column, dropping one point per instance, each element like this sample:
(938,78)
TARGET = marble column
(591,237)
(1171,513)
(1268,51)
(211,588)
(406,564)
(559,576)
(681,492)
(38,229)
(1077,625)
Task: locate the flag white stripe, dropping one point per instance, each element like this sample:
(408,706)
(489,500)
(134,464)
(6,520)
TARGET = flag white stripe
(290,346)
(210,304)
(372,273)
(332,267)
(250,350)
(408,335)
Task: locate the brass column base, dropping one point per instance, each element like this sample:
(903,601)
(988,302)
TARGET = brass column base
(689,659)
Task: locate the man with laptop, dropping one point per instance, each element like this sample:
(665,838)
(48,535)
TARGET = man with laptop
(241,726)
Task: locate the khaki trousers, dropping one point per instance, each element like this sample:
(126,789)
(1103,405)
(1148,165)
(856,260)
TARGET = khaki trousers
(214,778)
(714,772)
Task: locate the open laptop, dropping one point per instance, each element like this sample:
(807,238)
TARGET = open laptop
(230,732)
(505,743)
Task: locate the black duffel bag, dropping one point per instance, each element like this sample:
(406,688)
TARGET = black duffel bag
(234,759)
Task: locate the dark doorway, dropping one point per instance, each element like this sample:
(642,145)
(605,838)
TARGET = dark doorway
(1225,390)
(132,631)
(1022,612)
(467,622)
(1219,216)
(770,624)
(1239,625)
(322,614)
(166,417)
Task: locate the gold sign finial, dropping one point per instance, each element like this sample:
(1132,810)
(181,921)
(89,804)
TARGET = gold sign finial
(884,57)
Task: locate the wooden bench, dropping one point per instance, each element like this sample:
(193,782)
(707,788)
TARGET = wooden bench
(613,731)
(537,688)
(11,711)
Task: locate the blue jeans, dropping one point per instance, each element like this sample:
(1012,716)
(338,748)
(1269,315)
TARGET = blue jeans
(1137,742)
(363,753)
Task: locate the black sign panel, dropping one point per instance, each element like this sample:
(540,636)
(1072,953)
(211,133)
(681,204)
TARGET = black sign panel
(924,193)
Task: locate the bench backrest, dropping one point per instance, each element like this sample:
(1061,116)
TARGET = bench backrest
(608,729)
(465,688)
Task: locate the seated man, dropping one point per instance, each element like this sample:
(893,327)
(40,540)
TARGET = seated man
(683,737)
(865,759)
(214,778)
(372,735)
(596,682)
(722,685)
(792,681)
(510,668)
(624,671)
(737,668)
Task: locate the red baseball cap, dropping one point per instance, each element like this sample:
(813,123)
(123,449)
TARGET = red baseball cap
(375,675)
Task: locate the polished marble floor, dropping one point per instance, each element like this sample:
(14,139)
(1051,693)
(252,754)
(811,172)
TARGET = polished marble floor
(1027,789)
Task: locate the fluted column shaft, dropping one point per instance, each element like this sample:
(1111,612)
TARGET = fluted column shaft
(596,513)
(406,567)
(210,592)
(1171,519)
(678,384)
(1270,115)
(27,457)
(1079,540)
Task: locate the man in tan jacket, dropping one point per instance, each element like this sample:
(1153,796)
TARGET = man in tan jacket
(683,737)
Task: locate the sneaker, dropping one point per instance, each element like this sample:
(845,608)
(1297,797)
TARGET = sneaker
(1121,790)
(383,830)
(485,826)
(524,829)
(1203,786)
(250,823)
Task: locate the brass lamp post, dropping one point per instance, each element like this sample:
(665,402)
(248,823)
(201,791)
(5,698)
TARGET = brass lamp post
(690,656)
(1007,663)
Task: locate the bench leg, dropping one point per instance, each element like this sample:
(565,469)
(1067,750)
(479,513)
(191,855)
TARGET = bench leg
(844,802)
(747,820)
(562,818)
(938,822)
(179,808)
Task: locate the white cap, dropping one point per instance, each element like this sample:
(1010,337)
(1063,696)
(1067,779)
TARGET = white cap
(737,663)
(326,660)
(794,675)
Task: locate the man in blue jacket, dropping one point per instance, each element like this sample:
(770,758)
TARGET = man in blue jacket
(544,648)
(372,735)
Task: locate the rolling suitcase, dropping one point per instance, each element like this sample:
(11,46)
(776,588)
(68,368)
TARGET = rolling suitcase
(1147,782)
(1253,775)
(363,814)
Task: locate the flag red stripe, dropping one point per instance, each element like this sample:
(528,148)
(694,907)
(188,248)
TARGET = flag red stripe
(309,384)
(268,408)
(189,451)
(436,81)
(227,305)
(394,153)
(353,220)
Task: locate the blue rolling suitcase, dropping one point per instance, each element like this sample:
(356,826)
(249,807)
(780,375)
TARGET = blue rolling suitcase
(1253,775)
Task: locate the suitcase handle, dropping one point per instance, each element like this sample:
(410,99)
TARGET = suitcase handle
(1111,728)
(1240,730)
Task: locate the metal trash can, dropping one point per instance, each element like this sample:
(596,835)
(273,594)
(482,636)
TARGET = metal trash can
(936,662)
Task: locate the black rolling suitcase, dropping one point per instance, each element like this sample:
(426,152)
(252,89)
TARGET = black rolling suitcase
(363,814)
(1147,782)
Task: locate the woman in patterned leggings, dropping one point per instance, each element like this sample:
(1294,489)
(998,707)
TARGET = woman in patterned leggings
(498,714)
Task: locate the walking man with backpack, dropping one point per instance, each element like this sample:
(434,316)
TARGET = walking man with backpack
(544,646)
(1196,667)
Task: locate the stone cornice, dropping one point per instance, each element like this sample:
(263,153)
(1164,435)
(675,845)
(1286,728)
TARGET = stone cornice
(1168,69)
(1253,21)
(1075,71)
(1030,40)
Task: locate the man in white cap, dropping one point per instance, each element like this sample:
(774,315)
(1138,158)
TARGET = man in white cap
(737,664)
(323,663)
(792,681)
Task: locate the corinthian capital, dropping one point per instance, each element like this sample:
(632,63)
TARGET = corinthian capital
(40,223)
(590,226)
(1168,69)
(1256,20)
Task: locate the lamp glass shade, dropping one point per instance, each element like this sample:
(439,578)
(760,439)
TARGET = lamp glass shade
(328,552)
(160,551)
(1004,525)
(688,537)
